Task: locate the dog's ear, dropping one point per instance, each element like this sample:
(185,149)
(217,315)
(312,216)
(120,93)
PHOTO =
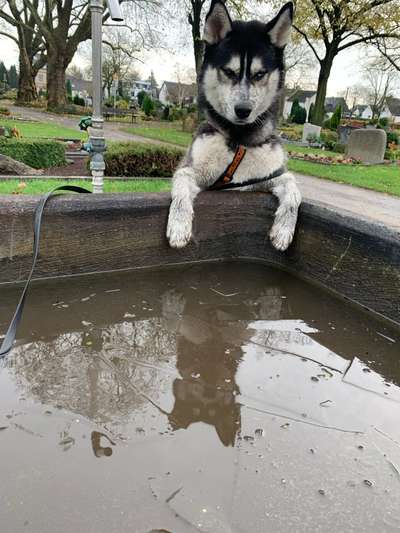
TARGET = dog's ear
(218,23)
(279,29)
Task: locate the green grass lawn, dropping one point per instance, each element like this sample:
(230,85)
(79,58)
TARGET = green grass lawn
(43,130)
(164,134)
(39,186)
(382,178)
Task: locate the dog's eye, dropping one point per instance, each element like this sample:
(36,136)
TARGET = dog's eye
(259,75)
(229,73)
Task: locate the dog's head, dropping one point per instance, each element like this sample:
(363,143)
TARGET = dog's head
(243,66)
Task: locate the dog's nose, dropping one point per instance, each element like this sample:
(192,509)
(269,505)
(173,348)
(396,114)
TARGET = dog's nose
(243,110)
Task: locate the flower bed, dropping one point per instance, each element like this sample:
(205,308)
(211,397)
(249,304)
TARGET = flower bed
(324,159)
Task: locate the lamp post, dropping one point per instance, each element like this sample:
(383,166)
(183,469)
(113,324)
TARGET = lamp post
(96,131)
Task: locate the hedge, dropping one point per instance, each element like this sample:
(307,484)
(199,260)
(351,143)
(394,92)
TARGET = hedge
(35,153)
(136,159)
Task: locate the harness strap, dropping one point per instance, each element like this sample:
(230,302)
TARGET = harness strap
(227,176)
(9,338)
(253,181)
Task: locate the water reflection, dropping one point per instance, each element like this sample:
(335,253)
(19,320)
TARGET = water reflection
(183,359)
(98,449)
(158,358)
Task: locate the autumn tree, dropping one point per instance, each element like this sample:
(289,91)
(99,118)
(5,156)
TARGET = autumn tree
(332,26)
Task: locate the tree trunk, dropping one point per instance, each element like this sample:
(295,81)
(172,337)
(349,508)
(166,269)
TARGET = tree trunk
(56,88)
(10,166)
(319,107)
(195,22)
(26,84)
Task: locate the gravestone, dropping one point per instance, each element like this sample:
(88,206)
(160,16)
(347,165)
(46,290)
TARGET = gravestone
(367,145)
(344,133)
(310,130)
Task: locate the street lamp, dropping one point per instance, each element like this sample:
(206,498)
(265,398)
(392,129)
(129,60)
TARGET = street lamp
(96,131)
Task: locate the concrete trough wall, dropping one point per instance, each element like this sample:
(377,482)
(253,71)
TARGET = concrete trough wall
(83,234)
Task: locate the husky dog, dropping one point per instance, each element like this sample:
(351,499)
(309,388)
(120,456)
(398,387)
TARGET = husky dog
(239,90)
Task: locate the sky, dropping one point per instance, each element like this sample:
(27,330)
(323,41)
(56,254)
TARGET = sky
(346,71)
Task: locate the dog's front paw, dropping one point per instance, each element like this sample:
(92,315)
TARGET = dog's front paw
(281,237)
(283,229)
(179,230)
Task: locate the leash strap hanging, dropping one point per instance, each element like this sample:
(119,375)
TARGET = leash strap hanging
(9,338)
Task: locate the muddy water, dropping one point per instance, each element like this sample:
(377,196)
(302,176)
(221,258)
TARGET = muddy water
(215,398)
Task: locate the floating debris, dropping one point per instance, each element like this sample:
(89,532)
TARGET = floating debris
(259,432)
(325,403)
(225,295)
(321,491)
(314,378)
(2,428)
(368,483)
(285,426)
(67,441)
(86,323)
(360,447)
(248,438)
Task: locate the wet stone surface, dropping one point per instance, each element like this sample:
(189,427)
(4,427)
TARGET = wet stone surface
(215,398)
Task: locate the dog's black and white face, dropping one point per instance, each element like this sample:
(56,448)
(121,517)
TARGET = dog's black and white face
(243,64)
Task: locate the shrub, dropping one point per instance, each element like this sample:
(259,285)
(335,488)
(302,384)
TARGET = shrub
(310,113)
(177,113)
(79,101)
(329,139)
(35,153)
(122,104)
(298,114)
(165,113)
(140,97)
(392,138)
(148,105)
(147,160)
(383,122)
(340,148)
(4,111)
(336,118)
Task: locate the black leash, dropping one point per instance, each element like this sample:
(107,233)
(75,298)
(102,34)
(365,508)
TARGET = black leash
(219,185)
(9,338)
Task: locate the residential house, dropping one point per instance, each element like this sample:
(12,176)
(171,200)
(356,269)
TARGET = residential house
(81,88)
(137,86)
(305,99)
(331,103)
(362,111)
(391,110)
(173,92)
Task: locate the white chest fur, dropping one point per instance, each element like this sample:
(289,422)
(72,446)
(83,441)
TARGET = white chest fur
(210,156)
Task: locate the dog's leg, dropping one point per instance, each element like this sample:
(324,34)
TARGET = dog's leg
(184,191)
(285,189)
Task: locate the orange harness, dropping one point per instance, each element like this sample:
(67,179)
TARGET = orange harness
(225,179)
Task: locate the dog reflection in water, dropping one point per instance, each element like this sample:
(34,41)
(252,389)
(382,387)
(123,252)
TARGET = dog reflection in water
(208,355)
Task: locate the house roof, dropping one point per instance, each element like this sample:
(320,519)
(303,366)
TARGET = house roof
(360,108)
(393,105)
(332,102)
(176,89)
(79,84)
(301,96)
